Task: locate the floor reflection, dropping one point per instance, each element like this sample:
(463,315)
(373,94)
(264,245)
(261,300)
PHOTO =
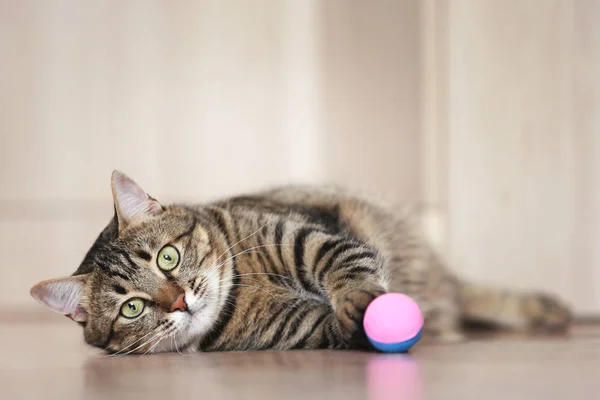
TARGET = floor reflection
(394,376)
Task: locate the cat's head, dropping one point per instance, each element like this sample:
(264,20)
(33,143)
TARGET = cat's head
(153,273)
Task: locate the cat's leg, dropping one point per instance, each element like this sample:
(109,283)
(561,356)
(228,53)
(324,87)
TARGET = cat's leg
(351,275)
(441,309)
(417,271)
(422,277)
(412,266)
(526,312)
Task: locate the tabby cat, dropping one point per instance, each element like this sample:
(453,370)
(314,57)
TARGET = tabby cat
(290,268)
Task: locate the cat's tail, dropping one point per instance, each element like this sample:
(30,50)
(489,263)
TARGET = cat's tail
(528,311)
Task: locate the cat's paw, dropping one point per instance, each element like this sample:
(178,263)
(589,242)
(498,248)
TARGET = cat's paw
(546,314)
(351,311)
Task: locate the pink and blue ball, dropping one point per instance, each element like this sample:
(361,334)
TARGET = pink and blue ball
(393,323)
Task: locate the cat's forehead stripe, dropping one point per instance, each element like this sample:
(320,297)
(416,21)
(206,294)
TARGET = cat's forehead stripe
(119,289)
(143,254)
(189,231)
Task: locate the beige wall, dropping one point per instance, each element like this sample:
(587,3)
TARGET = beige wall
(371,95)
(518,130)
(487,112)
(194,100)
(585,268)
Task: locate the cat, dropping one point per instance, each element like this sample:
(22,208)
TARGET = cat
(287,268)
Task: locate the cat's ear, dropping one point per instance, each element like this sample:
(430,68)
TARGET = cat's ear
(131,201)
(62,295)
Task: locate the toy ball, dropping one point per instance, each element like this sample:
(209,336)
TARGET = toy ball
(393,323)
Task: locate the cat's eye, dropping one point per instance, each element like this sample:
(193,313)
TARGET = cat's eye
(168,258)
(133,307)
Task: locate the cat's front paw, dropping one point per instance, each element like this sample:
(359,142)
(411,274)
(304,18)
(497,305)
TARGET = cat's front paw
(351,312)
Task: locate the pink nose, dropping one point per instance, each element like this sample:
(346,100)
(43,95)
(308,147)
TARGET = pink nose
(179,304)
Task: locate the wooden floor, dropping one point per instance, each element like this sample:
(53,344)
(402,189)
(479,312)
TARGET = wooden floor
(47,360)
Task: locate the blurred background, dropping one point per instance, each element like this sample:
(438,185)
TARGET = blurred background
(485,114)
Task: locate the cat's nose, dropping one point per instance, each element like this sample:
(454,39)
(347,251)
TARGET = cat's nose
(179,304)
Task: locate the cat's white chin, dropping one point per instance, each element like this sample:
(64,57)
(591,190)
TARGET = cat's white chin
(191,326)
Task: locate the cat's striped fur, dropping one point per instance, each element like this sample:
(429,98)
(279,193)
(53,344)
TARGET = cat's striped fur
(291,268)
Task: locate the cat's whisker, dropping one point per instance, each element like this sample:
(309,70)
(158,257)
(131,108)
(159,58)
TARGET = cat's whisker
(240,241)
(255,287)
(246,251)
(213,269)
(266,273)
(227,301)
(131,344)
(174,337)
(251,274)
(143,344)
(164,335)
(154,345)
(221,281)
(175,342)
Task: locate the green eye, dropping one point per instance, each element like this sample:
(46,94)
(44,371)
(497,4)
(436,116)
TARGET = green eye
(168,258)
(133,307)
